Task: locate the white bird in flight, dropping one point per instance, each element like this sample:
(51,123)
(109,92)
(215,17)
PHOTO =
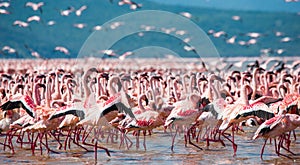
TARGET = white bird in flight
(79,25)
(34,18)
(51,23)
(186,14)
(35,6)
(80,10)
(124,55)
(286,39)
(219,34)
(67,12)
(236,18)
(62,49)
(9,49)
(189,48)
(97,27)
(254,34)
(4,4)
(3,11)
(231,40)
(33,52)
(115,25)
(20,23)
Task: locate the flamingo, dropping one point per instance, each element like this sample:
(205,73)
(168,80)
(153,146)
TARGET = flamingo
(80,10)
(20,23)
(4,4)
(286,39)
(33,52)
(34,18)
(62,49)
(186,14)
(20,101)
(236,18)
(67,12)
(51,23)
(241,110)
(3,11)
(184,113)
(80,25)
(277,126)
(10,50)
(133,5)
(97,27)
(35,6)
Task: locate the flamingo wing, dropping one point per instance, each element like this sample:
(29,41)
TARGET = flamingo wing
(258,109)
(9,105)
(267,100)
(267,126)
(117,106)
(258,113)
(76,112)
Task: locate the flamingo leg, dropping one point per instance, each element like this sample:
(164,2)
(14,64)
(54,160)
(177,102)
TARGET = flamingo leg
(137,139)
(173,140)
(20,138)
(122,140)
(279,146)
(234,146)
(11,135)
(262,149)
(144,143)
(189,139)
(126,138)
(5,140)
(46,144)
(294,133)
(33,142)
(66,139)
(56,138)
(283,137)
(40,136)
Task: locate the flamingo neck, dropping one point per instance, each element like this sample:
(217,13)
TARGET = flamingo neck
(254,84)
(57,87)
(140,103)
(244,96)
(47,95)
(36,95)
(192,82)
(112,89)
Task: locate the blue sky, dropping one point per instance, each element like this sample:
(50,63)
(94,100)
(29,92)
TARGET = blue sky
(257,5)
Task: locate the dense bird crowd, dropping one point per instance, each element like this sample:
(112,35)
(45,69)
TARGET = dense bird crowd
(71,103)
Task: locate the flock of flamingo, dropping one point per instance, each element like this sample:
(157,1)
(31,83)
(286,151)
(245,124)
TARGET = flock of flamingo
(72,104)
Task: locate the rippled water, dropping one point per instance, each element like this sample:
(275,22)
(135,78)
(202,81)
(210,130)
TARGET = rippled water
(158,152)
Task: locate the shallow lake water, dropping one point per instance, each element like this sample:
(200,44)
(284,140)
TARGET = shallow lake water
(158,152)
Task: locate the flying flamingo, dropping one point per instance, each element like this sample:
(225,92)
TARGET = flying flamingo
(4,4)
(80,10)
(62,49)
(35,6)
(3,11)
(21,24)
(34,18)
(67,12)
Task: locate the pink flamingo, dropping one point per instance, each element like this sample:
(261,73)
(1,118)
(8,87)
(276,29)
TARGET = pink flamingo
(277,126)
(184,113)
